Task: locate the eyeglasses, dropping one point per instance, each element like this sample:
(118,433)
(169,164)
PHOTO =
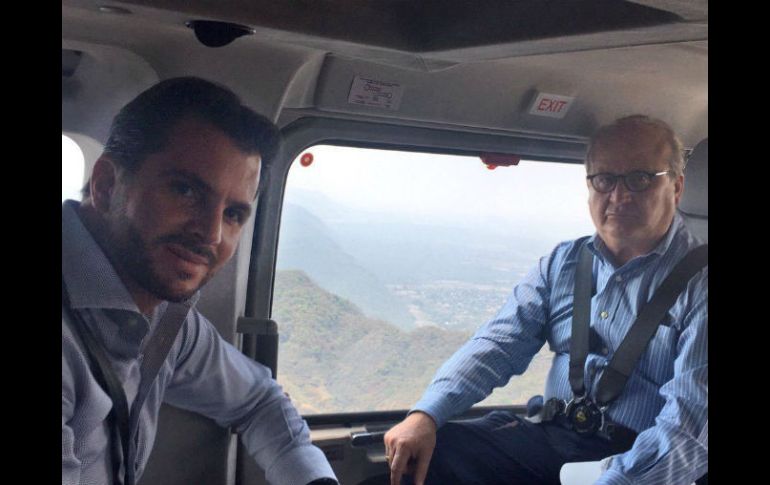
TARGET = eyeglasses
(637,181)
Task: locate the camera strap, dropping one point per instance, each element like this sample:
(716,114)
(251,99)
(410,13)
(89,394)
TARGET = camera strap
(620,367)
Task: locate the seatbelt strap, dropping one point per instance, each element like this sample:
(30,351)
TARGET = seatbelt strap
(104,374)
(614,377)
(155,355)
(581,315)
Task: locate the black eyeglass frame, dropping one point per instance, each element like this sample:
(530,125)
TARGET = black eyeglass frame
(625,176)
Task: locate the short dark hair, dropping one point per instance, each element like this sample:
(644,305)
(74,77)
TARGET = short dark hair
(142,126)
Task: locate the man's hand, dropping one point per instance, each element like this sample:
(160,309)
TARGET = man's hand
(409,446)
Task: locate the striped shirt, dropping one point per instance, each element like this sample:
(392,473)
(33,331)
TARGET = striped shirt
(202,373)
(665,398)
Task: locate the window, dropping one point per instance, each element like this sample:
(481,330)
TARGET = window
(388,261)
(72,169)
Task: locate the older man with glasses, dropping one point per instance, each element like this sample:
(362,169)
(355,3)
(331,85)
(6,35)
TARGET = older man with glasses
(625,313)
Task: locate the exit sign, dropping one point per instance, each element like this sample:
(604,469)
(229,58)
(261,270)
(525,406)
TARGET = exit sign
(551,105)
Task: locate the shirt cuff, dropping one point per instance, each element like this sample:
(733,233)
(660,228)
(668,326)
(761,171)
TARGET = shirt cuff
(436,406)
(613,477)
(299,466)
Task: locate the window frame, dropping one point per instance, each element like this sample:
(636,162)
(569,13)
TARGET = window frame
(307,132)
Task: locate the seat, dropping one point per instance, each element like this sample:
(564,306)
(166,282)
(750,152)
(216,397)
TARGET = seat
(694,205)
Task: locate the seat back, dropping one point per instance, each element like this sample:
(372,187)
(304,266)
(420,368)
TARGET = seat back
(694,205)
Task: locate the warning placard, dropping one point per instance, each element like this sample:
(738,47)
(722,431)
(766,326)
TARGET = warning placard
(551,105)
(371,92)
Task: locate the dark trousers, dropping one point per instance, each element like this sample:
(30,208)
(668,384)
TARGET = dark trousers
(503,448)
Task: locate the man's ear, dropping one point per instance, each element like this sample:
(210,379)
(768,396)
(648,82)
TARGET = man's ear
(678,188)
(102,183)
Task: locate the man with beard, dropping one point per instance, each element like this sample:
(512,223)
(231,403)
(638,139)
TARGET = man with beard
(656,429)
(162,213)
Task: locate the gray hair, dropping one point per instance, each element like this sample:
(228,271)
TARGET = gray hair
(622,126)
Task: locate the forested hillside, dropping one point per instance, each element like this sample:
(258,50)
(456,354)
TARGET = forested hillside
(335,359)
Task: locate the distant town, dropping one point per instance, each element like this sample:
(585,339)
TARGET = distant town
(453,305)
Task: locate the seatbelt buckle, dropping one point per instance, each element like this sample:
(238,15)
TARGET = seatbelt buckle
(584,416)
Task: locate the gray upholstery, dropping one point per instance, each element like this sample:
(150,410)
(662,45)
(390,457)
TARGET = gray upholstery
(694,205)
(189,449)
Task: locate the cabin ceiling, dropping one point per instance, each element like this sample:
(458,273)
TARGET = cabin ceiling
(650,55)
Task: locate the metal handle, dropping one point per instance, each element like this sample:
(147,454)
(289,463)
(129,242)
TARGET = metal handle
(359,440)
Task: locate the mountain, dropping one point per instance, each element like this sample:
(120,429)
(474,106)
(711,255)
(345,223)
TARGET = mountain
(307,244)
(406,253)
(333,358)
(402,248)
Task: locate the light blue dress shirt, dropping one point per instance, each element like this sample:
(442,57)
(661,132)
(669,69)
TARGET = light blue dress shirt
(202,373)
(666,397)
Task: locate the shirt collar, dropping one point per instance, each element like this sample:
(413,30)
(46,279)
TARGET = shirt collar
(90,277)
(665,243)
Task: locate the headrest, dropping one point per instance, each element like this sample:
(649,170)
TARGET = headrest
(695,200)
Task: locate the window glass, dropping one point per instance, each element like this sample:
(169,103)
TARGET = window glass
(388,261)
(72,169)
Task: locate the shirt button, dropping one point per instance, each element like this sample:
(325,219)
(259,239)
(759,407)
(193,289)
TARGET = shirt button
(605,351)
(604,314)
(618,278)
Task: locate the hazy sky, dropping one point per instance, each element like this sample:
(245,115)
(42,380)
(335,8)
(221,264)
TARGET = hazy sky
(447,188)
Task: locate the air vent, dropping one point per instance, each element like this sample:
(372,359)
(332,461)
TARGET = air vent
(70,59)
